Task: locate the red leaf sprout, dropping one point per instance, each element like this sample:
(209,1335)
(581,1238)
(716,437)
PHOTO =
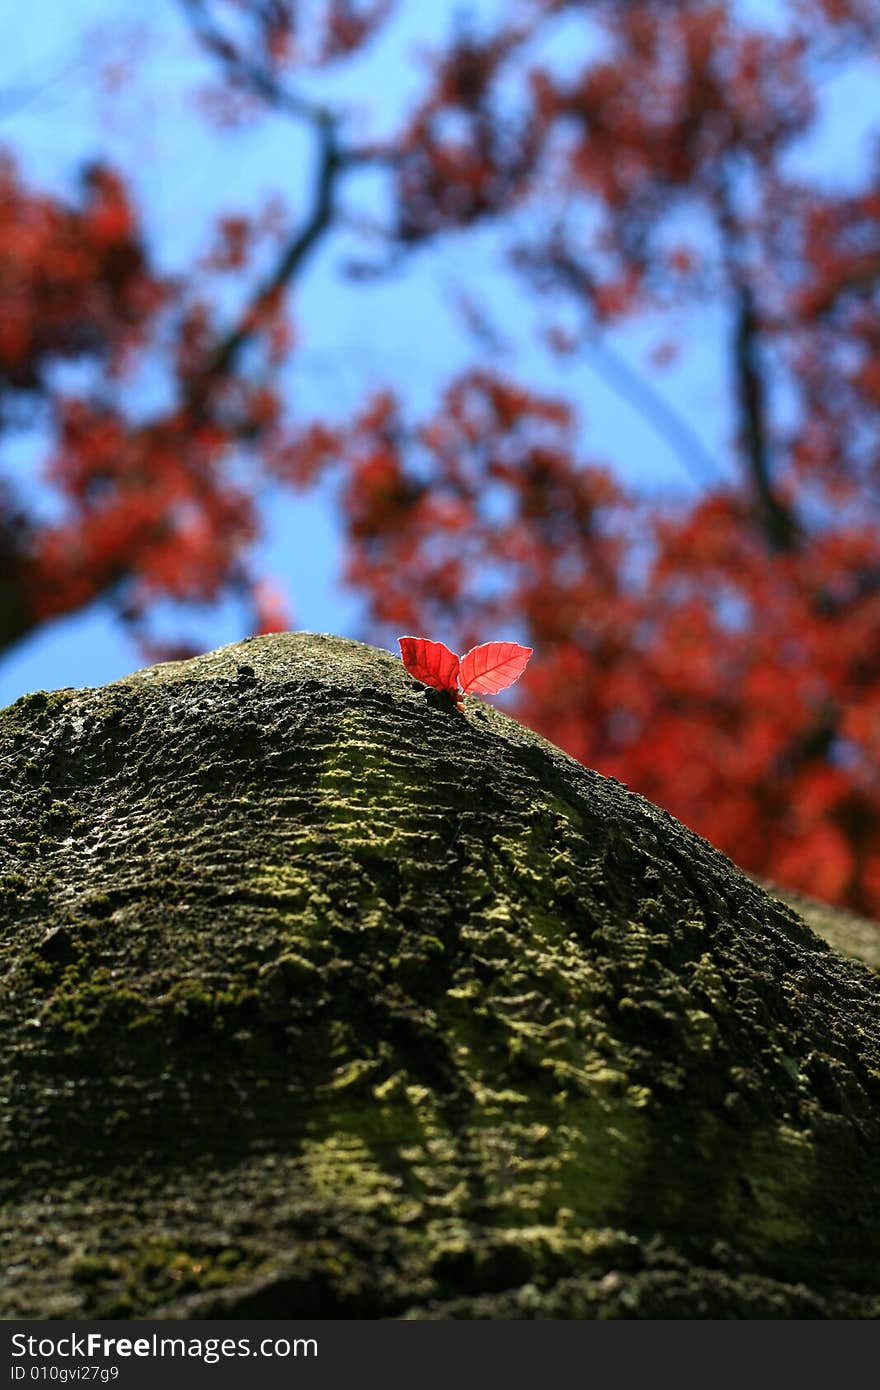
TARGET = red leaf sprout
(484,670)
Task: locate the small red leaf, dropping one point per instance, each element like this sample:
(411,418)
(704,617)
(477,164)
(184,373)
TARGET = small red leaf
(432,663)
(492,667)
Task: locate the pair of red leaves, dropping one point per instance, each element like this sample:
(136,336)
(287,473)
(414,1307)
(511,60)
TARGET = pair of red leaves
(484,670)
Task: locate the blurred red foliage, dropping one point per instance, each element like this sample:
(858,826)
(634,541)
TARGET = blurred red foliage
(720,653)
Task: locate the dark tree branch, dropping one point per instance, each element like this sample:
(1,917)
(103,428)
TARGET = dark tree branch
(16,618)
(247,75)
(259,80)
(777,522)
(333,161)
(812,744)
(291,259)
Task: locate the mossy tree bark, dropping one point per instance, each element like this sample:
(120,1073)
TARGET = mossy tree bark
(320,998)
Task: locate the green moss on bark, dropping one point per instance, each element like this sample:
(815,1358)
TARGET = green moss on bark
(319,999)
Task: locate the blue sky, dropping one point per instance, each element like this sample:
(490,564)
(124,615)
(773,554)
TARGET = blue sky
(403,330)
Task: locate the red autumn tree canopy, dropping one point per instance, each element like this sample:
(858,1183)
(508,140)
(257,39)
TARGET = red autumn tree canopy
(720,651)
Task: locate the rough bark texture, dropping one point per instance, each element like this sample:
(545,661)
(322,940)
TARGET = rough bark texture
(853,935)
(322,999)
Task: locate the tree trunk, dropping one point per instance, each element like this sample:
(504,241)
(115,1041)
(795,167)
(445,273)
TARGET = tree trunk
(849,932)
(322,999)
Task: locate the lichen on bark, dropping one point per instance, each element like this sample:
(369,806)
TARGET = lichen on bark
(320,999)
